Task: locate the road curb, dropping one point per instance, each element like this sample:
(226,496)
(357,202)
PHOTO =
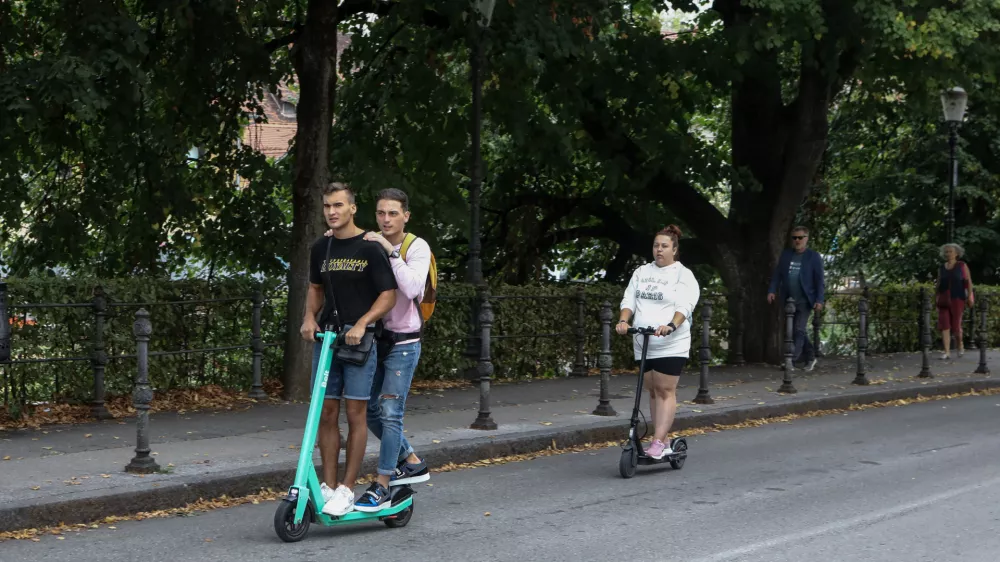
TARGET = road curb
(96,505)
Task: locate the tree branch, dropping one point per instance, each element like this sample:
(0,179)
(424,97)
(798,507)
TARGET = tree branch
(284,40)
(383,8)
(677,195)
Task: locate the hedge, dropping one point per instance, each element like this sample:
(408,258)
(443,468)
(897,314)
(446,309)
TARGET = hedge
(534,331)
(894,320)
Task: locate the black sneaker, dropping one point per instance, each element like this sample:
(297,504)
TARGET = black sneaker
(375,498)
(410,473)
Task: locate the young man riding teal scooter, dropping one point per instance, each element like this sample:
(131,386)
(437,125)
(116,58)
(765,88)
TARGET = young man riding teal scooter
(351,280)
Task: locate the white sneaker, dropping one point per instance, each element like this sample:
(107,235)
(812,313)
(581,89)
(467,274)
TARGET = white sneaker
(811,365)
(341,503)
(326,492)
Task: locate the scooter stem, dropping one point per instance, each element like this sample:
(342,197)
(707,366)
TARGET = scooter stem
(638,389)
(305,474)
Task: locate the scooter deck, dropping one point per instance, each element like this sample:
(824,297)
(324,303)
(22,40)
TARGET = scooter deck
(646,460)
(358,516)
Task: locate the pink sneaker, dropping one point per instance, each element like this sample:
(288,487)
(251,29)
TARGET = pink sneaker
(656,449)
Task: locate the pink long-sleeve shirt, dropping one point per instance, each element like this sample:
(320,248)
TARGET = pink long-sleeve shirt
(411,279)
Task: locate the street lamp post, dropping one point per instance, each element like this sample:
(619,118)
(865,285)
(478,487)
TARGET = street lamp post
(482,12)
(953,101)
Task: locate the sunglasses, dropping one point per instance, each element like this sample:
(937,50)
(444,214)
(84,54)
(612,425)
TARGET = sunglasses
(799,237)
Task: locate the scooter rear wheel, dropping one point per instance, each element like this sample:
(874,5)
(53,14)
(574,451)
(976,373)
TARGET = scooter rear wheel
(284,522)
(628,462)
(400,519)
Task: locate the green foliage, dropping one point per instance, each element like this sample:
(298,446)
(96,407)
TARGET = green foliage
(101,104)
(882,205)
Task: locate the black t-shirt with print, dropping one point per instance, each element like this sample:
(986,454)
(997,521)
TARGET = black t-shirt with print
(356,271)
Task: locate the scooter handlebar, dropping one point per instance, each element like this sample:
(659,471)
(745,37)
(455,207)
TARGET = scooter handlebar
(648,330)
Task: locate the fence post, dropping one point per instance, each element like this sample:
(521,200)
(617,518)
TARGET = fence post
(4,325)
(738,340)
(604,407)
(257,388)
(861,377)
(580,367)
(98,357)
(925,334)
(5,341)
(142,395)
(984,308)
(703,396)
(485,367)
(786,382)
(473,343)
(817,326)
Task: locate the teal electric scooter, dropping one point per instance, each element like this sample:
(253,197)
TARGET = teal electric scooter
(304,503)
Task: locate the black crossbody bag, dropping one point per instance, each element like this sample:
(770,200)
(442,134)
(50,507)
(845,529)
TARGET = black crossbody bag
(352,354)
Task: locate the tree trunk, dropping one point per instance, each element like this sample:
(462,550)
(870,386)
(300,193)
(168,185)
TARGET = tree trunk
(315,60)
(755,327)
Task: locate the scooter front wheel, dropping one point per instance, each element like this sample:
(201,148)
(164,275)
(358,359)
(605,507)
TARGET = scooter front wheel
(284,522)
(679,446)
(628,462)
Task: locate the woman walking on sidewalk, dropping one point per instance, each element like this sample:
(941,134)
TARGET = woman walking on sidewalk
(662,293)
(954,293)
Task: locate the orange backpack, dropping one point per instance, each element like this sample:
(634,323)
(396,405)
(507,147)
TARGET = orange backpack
(430,288)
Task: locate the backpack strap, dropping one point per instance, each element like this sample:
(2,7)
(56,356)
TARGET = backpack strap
(408,240)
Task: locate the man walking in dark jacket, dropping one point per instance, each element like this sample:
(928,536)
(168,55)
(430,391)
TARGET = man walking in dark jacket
(799,274)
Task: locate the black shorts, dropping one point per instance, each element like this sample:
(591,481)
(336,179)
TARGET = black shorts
(666,365)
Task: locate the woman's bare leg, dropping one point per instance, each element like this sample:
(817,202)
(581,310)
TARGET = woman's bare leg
(665,387)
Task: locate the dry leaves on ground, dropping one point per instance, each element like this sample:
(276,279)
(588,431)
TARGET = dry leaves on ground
(211,397)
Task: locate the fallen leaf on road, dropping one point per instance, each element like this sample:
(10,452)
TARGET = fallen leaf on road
(105,476)
(698,411)
(60,538)
(36,487)
(7,458)
(88,436)
(546,423)
(293,446)
(435,441)
(487,514)
(264,455)
(47,448)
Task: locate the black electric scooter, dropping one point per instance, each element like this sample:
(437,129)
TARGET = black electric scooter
(632,452)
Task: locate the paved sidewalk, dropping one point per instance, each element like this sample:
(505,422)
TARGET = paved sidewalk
(75,473)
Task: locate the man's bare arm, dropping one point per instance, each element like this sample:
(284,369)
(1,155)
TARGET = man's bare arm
(383,304)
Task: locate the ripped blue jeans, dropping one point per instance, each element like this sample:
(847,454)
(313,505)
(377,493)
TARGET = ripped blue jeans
(388,402)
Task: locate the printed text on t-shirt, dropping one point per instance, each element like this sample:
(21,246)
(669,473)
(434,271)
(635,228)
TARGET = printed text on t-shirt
(343,264)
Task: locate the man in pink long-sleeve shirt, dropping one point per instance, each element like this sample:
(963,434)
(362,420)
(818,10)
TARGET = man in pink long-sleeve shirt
(398,464)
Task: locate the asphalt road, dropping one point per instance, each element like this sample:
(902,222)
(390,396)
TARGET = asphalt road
(913,483)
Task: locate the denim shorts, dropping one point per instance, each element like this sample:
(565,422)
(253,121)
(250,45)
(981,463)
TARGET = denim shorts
(348,381)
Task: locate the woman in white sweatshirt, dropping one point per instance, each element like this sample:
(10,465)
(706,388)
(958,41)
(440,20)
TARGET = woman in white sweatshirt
(662,293)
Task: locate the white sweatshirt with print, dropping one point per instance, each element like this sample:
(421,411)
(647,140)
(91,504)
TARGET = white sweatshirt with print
(653,295)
